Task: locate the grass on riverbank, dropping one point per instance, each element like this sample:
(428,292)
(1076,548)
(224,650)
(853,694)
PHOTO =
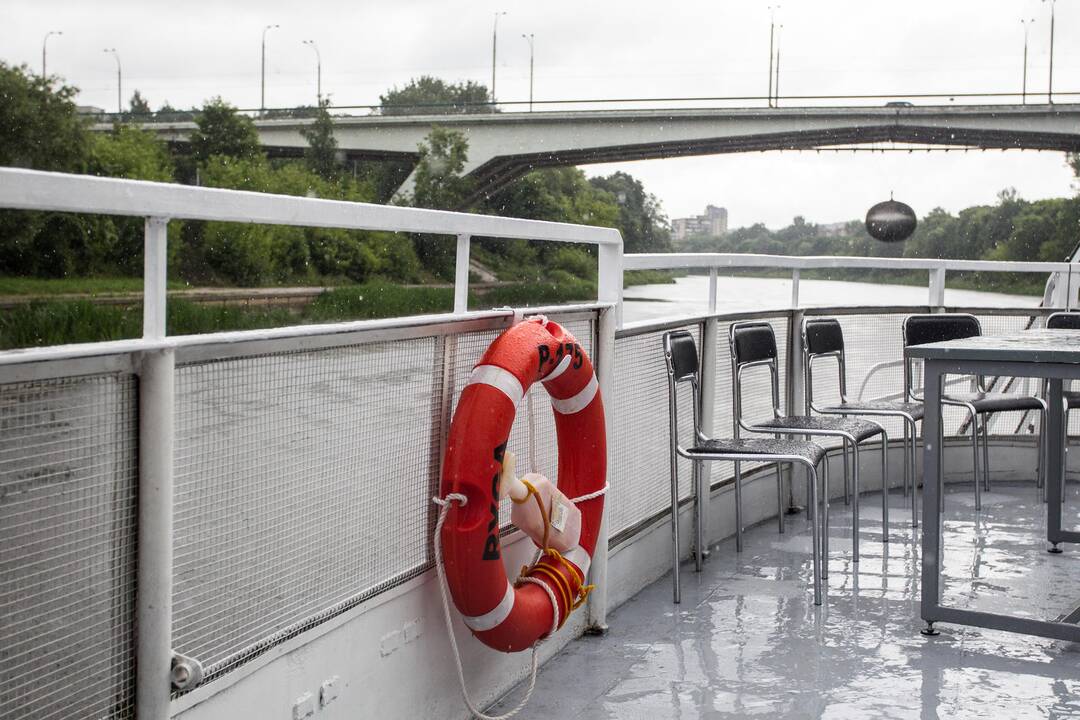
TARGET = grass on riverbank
(76,285)
(59,322)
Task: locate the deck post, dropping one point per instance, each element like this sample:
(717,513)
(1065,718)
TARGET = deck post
(937,289)
(709,340)
(155,277)
(795,395)
(609,290)
(153,651)
(461,275)
(795,288)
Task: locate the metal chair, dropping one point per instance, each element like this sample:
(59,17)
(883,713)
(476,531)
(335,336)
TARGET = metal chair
(923,329)
(753,344)
(823,338)
(680,354)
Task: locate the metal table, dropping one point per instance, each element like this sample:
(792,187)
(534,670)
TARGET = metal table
(1050,354)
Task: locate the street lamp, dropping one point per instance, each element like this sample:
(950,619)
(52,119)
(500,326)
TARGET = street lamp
(494,44)
(1050,87)
(318,69)
(43,44)
(529,37)
(772,31)
(776,85)
(119,83)
(1027,26)
(262,85)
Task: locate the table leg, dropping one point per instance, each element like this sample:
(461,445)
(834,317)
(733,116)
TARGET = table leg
(1055,434)
(931,545)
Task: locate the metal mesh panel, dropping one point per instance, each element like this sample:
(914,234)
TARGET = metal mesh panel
(640,474)
(68,481)
(303,481)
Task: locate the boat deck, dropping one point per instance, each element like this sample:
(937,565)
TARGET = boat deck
(748,642)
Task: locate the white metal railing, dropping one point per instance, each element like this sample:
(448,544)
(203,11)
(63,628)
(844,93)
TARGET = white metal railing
(155,353)
(1061,288)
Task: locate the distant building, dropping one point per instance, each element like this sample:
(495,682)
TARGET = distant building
(836,229)
(713,223)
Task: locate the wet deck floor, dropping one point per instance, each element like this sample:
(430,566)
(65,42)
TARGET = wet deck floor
(747,640)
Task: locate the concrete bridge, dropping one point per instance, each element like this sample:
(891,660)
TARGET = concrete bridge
(503,146)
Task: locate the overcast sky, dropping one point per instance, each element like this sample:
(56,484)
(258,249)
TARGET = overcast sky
(186,52)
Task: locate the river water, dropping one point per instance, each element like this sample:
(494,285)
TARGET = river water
(690,296)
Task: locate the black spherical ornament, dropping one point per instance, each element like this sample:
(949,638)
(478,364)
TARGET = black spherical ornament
(890,221)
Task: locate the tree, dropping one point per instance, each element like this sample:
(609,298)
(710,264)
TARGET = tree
(427,95)
(321,153)
(223,131)
(439,181)
(641,220)
(140,108)
(39,125)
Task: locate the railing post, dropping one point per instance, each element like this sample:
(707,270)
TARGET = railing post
(795,398)
(795,287)
(712,294)
(609,290)
(709,333)
(1061,291)
(461,275)
(153,651)
(937,289)
(155,277)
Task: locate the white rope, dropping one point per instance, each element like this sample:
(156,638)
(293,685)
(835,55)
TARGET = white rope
(532,432)
(444,508)
(593,495)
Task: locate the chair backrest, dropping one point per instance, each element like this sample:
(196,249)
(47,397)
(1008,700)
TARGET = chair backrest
(923,329)
(680,354)
(681,358)
(822,337)
(1064,321)
(751,344)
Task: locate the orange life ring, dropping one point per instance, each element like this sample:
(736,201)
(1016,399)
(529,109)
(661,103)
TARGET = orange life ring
(503,615)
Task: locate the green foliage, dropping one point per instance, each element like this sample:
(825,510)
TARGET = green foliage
(223,131)
(440,185)
(427,95)
(561,290)
(321,152)
(641,220)
(139,107)
(39,125)
(132,153)
(258,254)
(377,300)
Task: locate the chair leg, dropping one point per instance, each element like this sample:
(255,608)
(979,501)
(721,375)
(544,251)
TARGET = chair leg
(847,475)
(825,518)
(675,529)
(884,487)
(817,561)
(699,530)
(907,458)
(780,498)
(914,477)
(738,506)
(986,452)
(855,502)
(975,457)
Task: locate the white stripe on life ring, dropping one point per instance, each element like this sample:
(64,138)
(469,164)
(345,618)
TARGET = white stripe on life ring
(578,402)
(495,617)
(496,377)
(579,557)
(559,369)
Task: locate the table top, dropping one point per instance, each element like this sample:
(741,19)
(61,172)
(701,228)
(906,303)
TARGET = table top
(1032,346)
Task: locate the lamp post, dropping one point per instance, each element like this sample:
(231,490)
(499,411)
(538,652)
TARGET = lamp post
(119,78)
(262,84)
(1027,26)
(772,31)
(529,37)
(1050,86)
(318,70)
(776,85)
(43,44)
(494,45)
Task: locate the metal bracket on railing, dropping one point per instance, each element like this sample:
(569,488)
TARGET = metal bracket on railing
(187,672)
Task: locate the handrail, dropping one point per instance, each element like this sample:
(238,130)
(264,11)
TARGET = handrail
(667,261)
